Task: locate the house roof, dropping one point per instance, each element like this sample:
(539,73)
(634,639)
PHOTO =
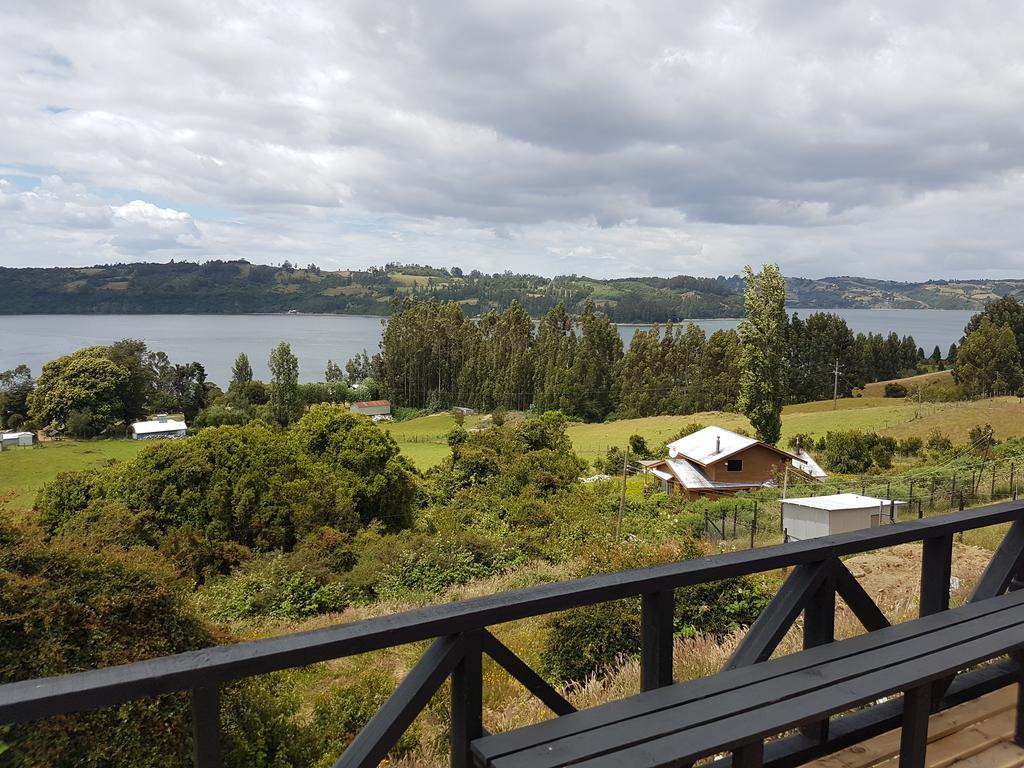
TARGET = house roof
(692,476)
(841,501)
(806,464)
(371,403)
(153,427)
(712,444)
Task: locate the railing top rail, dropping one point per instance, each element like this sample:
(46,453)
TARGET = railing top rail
(45,697)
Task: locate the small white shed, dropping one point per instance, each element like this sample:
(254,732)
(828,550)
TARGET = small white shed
(11,439)
(161,428)
(815,516)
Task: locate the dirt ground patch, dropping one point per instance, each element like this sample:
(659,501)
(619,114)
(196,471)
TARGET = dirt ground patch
(892,576)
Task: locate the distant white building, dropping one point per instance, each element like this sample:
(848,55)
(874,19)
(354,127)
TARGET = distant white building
(160,428)
(814,516)
(11,439)
(371,407)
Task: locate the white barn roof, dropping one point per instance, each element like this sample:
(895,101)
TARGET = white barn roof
(841,501)
(806,464)
(15,435)
(155,427)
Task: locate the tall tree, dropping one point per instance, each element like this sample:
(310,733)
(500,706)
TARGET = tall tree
(131,355)
(989,362)
(284,384)
(1006,311)
(765,367)
(333,372)
(15,387)
(241,373)
(190,389)
(553,388)
(84,387)
(598,353)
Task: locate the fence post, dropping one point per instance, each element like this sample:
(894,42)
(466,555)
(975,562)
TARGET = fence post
(931,496)
(910,493)
(735,510)
(724,515)
(992,490)
(1013,483)
(753,526)
(961,499)
(467,699)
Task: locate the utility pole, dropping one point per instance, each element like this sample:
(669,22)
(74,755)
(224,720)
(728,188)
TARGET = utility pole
(622,497)
(835,386)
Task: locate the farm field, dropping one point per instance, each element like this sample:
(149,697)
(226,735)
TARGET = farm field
(24,470)
(423,439)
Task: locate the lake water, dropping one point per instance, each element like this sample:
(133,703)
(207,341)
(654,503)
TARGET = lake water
(215,340)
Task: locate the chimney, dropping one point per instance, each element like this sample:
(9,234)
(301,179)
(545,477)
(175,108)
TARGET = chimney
(718,443)
(798,445)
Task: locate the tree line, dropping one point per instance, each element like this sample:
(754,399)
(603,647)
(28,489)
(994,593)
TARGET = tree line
(433,356)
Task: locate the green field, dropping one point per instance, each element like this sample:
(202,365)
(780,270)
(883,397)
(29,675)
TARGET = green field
(423,439)
(24,470)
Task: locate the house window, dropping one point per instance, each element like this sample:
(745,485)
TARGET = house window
(734,465)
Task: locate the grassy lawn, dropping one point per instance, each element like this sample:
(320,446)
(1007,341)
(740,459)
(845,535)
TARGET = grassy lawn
(24,470)
(424,439)
(877,389)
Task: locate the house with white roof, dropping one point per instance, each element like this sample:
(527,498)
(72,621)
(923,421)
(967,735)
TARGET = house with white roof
(12,438)
(714,462)
(160,428)
(813,516)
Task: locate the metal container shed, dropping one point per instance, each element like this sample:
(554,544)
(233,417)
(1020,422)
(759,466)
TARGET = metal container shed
(814,516)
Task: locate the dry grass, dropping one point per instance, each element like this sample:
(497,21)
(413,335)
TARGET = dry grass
(890,576)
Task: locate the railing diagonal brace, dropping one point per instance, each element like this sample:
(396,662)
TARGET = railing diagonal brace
(1005,564)
(522,672)
(771,626)
(860,602)
(372,743)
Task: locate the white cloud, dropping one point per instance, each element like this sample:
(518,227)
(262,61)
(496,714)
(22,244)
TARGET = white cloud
(546,136)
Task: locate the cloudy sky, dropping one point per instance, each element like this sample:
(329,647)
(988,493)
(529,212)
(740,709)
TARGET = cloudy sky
(602,138)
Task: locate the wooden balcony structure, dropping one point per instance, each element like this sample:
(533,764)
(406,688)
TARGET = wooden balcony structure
(793,710)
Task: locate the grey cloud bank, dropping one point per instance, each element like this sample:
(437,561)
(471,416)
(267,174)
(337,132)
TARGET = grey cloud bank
(550,137)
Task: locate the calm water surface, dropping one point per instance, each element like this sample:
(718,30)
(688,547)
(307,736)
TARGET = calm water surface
(215,340)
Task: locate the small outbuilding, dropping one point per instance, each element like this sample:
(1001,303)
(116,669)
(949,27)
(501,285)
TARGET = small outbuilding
(160,428)
(12,439)
(815,516)
(372,407)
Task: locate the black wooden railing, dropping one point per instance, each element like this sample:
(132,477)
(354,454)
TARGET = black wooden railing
(460,639)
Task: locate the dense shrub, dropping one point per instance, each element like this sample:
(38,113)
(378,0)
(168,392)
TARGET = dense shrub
(268,587)
(910,446)
(584,641)
(855,452)
(64,610)
(938,444)
(895,389)
(342,711)
(431,566)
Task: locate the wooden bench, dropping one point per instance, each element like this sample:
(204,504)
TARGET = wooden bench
(737,709)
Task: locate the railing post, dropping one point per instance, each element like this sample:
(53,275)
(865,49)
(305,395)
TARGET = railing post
(206,727)
(914,733)
(657,614)
(467,699)
(936,568)
(819,629)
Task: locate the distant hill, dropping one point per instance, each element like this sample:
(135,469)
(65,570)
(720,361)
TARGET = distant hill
(231,287)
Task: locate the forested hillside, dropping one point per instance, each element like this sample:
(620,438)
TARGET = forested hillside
(239,287)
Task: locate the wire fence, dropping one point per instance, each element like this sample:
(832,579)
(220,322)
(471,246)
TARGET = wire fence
(935,490)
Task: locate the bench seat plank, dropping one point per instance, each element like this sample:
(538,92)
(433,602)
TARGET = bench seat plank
(683,748)
(671,709)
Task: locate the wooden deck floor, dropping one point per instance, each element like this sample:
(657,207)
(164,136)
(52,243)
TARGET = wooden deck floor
(973,735)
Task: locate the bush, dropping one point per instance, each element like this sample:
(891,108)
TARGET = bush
(585,641)
(638,447)
(938,444)
(895,389)
(432,565)
(68,611)
(910,446)
(343,710)
(63,497)
(269,588)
